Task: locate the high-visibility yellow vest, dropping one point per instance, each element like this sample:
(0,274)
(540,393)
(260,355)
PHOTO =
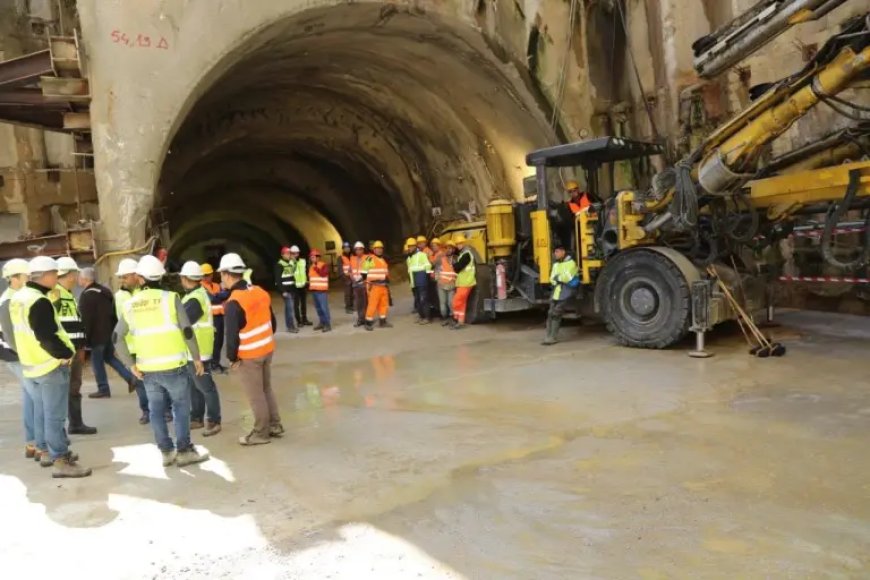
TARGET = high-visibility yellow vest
(299,272)
(467,277)
(203,328)
(121,298)
(35,360)
(153,322)
(561,274)
(68,309)
(4,298)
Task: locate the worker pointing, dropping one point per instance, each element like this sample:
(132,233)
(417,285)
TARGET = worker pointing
(377,274)
(163,341)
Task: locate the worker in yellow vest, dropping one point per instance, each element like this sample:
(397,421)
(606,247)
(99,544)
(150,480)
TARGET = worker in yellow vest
(204,395)
(45,352)
(466,280)
(318,284)
(565,280)
(65,303)
(420,267)
(163,341)
(300,278)
(410,250)
(15,272)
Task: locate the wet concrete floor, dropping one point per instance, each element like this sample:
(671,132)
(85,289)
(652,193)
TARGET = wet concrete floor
(418,452)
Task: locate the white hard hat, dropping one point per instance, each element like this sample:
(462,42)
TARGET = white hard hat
(65,265)
(14,267)
(294,249)
(150,268)
(233,263)
(41,264)
(191,270)
(127,266)
(359,245)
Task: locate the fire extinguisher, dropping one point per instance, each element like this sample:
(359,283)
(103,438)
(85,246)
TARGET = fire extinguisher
(500,281)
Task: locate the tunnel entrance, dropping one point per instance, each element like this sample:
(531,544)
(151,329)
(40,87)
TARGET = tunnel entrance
(353,122)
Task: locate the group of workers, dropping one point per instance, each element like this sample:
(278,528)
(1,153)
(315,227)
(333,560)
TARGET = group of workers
(165,344)
(441,276)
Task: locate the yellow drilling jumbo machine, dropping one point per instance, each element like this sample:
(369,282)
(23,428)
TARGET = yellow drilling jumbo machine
(659,262)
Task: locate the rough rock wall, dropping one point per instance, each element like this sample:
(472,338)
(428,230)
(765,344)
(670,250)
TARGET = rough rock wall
(37,193)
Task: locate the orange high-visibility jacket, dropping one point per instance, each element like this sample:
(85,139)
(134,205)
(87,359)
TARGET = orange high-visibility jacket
(255,339)
(316,281)
(214,288)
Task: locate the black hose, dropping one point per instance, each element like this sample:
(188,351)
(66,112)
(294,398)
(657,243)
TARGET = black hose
(835,212)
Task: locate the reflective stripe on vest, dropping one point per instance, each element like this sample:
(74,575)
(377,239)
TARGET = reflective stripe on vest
(203,328)
(419,262)
(562,273)
(376,269)
(65,304)
(35,360)
(213,289)
(446,273)
(153,323)
(316,282)
(466,278)
(256,339)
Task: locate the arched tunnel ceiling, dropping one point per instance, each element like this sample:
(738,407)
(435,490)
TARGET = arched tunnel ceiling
(365,116)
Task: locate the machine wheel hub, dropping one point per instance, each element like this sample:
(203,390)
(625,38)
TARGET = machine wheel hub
(643,301)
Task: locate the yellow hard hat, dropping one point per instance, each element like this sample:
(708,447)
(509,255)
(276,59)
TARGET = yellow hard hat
(569,185)
(451,243)
(410,242)
(460,239)
(421,239)
(207,270)
(378,244)
(435,241)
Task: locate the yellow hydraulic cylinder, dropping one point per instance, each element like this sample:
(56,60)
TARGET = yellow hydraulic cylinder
(723,168)
(501,230)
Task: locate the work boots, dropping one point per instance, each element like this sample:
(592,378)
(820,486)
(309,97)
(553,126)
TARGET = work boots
(67,466)
(552,331)
(211,429)
(190,456)
(384,324)
(327,328)
(318,327)
(370,325)
(76,424)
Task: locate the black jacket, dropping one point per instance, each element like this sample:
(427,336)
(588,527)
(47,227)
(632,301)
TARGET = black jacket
(44,325)
(97,308)
(234,322)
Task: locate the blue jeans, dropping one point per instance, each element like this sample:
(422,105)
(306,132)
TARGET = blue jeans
(27,407)
(103,355)
(289,319)
(174,384)
(445,300)
(321,304)
(203,395)
(50,394)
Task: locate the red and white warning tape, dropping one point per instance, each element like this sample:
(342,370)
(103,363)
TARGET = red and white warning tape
(828,279)
(818,233)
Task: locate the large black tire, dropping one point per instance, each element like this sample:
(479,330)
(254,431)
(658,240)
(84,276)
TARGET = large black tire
(475,313)
(644,299)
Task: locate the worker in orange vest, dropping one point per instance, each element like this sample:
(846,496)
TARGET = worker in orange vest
(445,278)
(217,296)
(250,326)
(358,283)
(377,274)
(318,286)
(346,254)
(578,200)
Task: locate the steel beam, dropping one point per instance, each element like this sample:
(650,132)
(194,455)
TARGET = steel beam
(26,69)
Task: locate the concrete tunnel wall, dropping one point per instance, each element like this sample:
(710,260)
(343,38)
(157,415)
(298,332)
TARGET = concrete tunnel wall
(327,119)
